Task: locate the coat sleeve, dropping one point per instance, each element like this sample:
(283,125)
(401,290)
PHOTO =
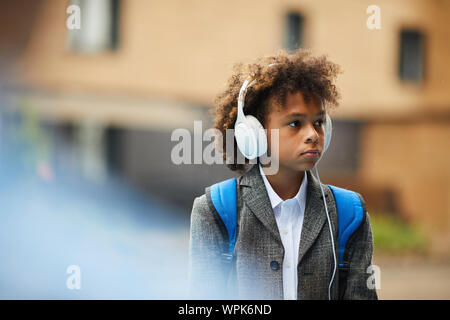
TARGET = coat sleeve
(360,282)
(206,244)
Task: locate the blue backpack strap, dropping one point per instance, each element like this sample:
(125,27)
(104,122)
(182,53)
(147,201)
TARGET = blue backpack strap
(223,197)
(349,208)
(350,215)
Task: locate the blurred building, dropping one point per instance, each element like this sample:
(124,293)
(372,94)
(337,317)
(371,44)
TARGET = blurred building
(136,70)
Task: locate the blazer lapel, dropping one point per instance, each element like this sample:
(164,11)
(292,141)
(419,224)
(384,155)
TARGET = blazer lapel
(254,194)
(315,215)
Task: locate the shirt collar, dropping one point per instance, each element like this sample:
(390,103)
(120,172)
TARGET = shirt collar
(275,198)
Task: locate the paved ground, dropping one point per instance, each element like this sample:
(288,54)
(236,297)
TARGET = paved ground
(413,278)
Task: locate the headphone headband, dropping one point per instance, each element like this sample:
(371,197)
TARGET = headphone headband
(241,99)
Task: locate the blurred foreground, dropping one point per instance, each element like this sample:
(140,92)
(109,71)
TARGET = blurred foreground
(126,244)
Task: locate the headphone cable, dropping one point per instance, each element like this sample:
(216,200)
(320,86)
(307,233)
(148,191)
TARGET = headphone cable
(331,235)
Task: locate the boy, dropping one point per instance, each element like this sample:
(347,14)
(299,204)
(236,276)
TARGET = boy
(283,247)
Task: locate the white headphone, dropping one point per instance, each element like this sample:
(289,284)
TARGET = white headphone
(252,142)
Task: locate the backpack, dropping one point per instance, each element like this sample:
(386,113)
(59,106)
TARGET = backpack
(349,210)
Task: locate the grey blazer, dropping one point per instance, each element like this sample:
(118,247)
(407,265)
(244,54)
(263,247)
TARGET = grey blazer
(257,271)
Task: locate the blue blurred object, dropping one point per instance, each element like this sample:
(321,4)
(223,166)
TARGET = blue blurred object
(127,244)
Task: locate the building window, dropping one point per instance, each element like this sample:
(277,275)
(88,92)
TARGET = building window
(98,28)
(294,31)
(411,64)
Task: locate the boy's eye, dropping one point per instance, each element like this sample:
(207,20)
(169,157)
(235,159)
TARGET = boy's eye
(297,123)
(320,122)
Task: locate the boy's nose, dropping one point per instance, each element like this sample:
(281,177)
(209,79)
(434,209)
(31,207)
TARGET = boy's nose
(312,135)
(313,140)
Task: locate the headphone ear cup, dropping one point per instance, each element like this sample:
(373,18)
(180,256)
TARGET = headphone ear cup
(245,139)
(250,137)
(328,129)
(260,134)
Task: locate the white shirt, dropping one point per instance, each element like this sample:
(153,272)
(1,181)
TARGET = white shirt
(289,216)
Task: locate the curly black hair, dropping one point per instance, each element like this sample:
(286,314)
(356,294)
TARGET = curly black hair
(276,76)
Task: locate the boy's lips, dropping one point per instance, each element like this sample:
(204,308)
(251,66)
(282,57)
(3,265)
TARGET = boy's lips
(311,153)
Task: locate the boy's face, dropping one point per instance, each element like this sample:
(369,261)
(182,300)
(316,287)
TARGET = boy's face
(300,129)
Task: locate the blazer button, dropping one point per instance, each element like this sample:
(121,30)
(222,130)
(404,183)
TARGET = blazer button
(274,265)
